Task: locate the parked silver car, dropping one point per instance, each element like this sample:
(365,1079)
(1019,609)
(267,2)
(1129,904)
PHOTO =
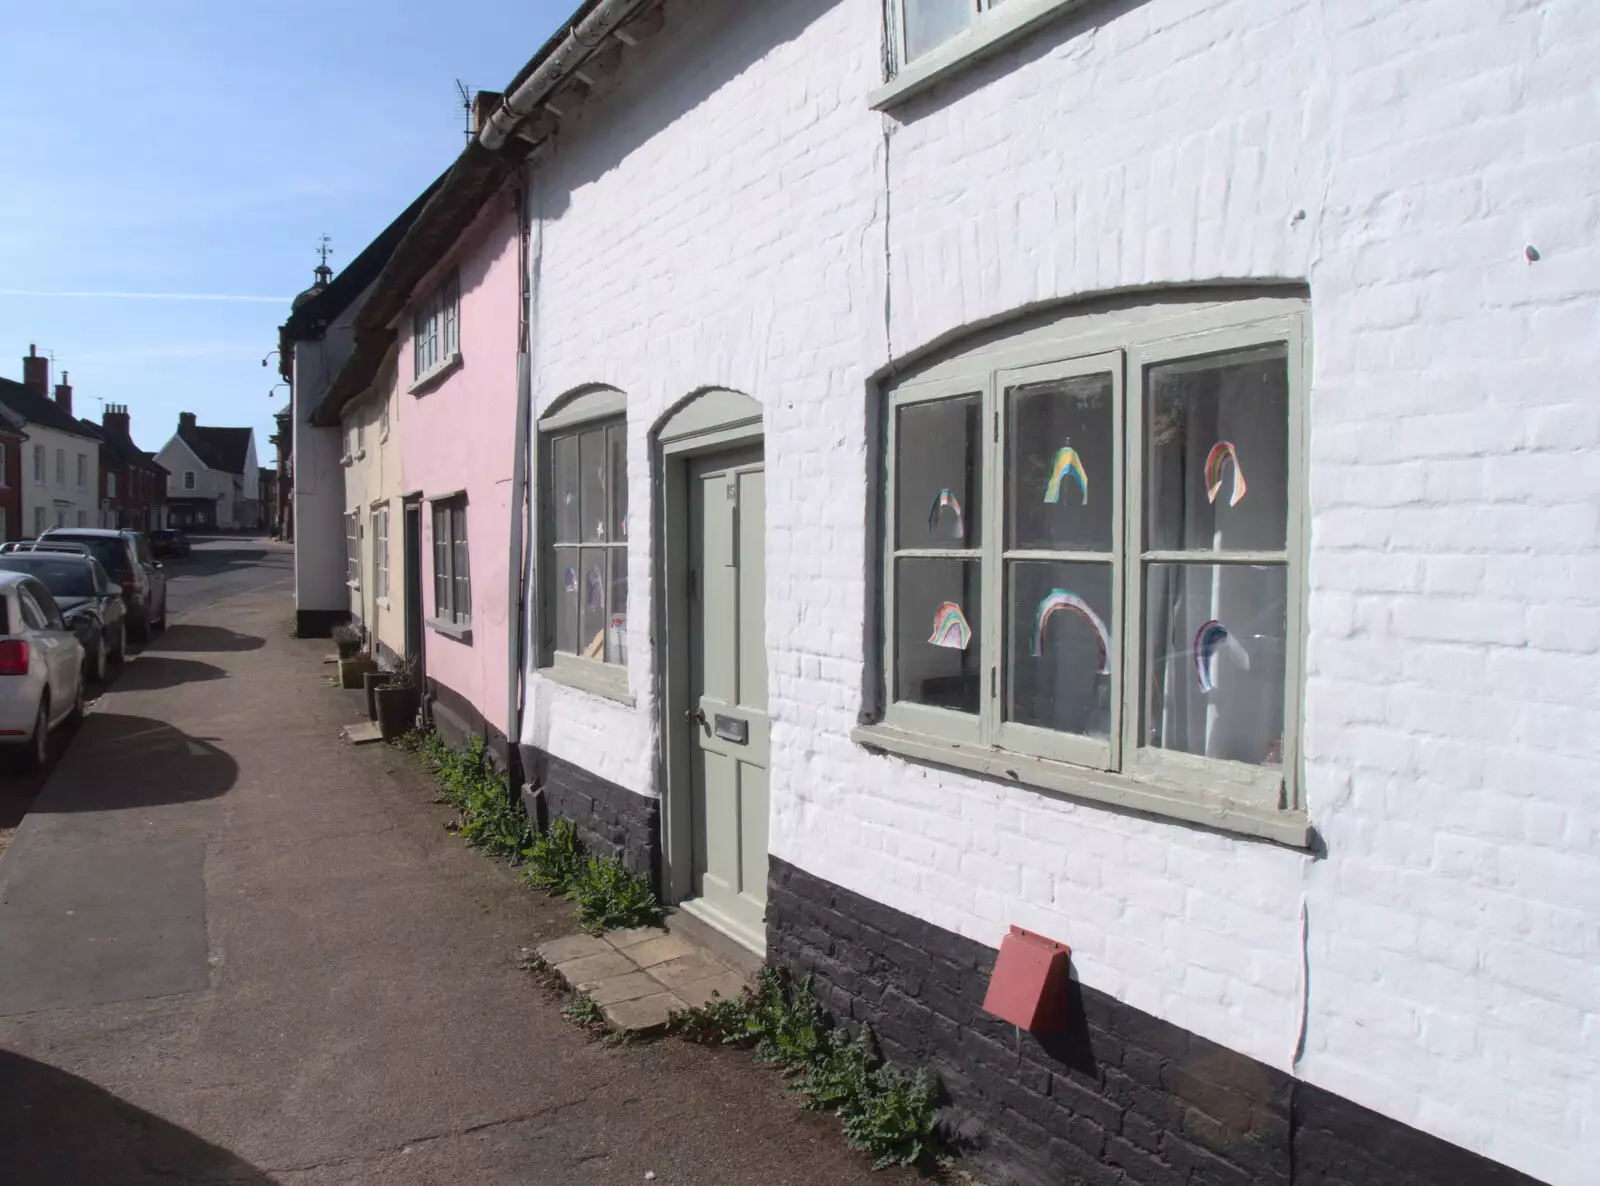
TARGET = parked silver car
(41,668)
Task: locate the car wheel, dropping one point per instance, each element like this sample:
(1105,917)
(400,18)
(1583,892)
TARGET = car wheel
(119,649)
(39,744)
(141,630)
(76,715)
(95,668)
(161,623)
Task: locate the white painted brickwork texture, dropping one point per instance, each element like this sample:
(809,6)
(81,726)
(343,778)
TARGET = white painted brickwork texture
(733,214)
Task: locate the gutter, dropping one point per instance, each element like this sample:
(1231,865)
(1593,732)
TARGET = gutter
(585,33)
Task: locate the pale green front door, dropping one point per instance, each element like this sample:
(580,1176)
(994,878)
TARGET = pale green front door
(727,715)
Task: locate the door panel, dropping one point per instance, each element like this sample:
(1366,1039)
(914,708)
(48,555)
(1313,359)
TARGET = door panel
(728,690)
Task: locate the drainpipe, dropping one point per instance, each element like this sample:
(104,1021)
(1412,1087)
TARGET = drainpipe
(581,40)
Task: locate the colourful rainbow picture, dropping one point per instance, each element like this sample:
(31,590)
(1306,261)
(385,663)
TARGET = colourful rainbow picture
(1208,640)
(1067,464)
(946,499)
(1221,453)
(596,587)
(1060,599)
(950,627)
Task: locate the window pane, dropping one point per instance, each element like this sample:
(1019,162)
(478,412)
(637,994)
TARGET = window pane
(593,513)
(569,580)
(1060,458)
(1059,649)
(617,449)
(1211,423)
(592,603)
(930,22)
(564,455)
(441,562)
(463,571)
(617,607)
(938,474)
(937,628)
(1214,660)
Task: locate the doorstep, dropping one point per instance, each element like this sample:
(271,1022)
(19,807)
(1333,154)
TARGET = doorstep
(641,976)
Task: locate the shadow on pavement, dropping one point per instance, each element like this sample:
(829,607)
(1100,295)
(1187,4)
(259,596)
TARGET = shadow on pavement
(141,762)
(188,637)
(60,1130)
(153,671)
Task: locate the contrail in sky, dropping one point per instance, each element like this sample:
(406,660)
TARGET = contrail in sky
(148,296)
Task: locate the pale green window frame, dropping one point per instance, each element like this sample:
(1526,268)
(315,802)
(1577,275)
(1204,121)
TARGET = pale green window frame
(603,410)
(1256,800)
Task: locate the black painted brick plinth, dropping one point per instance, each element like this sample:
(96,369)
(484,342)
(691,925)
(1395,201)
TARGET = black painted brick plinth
(610,819)
(1120,1099)
(457,720)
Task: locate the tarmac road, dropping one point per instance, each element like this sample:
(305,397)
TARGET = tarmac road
(236,949)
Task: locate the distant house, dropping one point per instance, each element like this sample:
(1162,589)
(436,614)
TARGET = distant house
(213,479)
(133,485)
(60,466)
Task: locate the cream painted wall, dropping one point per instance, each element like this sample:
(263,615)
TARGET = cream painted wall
(373,479)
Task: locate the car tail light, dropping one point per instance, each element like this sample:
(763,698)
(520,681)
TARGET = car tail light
(129,586)
(13,657)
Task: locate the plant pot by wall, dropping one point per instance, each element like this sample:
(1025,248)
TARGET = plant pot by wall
(370,683)
(397,709)
(351,670)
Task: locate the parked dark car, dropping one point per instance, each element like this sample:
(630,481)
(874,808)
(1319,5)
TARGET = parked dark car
(169,541)
(127,557)
(89,600)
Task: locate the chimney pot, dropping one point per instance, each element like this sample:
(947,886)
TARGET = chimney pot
(64,394)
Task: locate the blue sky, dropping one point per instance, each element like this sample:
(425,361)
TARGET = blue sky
(201,147)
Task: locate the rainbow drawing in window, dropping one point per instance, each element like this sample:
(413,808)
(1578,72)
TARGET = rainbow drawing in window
(950,627)
(1067,464)
(946,499)
(1061,599)
(1210,639)
(1222,453)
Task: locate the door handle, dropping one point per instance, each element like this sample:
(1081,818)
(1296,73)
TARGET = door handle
(694,714)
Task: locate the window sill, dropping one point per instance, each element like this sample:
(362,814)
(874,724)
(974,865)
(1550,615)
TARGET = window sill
(434,373)
(460,631)
(998,27)
(1282,827)
(599,679)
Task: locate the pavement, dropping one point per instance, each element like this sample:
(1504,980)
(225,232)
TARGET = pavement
(236,949)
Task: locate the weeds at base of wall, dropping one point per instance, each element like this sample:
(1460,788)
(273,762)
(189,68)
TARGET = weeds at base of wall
(292,627)
(887,1114)
(608,894)
(490,818)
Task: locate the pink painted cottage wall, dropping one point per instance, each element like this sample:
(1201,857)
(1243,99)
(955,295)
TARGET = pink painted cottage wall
(458,438)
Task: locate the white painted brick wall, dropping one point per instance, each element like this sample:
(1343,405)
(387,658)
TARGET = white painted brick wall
(722,218)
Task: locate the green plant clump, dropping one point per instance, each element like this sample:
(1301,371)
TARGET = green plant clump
(886,1113)
(607,892)
(489,816)
(584,1013)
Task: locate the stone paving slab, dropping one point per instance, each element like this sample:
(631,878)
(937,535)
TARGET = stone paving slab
(640,976)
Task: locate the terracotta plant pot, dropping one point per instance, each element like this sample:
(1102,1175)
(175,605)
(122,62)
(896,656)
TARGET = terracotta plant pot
(370,683)
(397,710)
(351,670)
